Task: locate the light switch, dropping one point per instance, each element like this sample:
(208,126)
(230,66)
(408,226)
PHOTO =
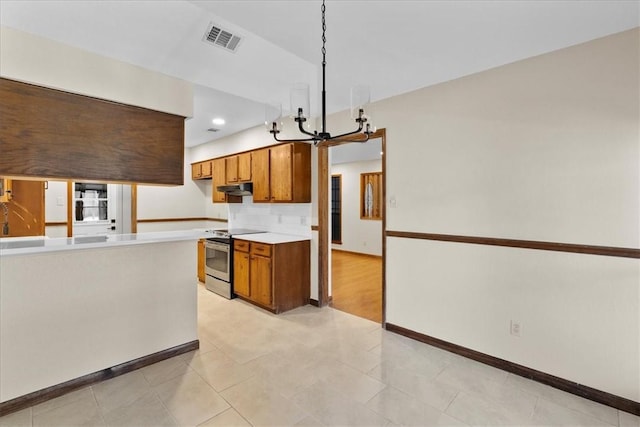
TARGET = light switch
(392,201)
(60,201)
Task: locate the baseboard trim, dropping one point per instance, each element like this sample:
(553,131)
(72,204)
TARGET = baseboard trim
(57,390)
(587,392)
(356,253)
(151,220)
(316,303)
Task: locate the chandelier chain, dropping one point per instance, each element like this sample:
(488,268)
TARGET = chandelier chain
(324,37)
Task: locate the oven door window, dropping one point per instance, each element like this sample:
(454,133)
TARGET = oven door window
(217,261)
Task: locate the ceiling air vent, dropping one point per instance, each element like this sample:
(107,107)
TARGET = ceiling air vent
(221,38)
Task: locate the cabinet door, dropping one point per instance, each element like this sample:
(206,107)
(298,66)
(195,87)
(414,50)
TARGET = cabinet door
(196,171)
(218,179)
(241,274)
(205,169)
(201,255)
(281,169)
(232,169)
(244,167)
(260,174)
(260,279)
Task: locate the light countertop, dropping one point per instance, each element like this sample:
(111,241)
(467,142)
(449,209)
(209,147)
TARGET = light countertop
(40,244)
(272,238)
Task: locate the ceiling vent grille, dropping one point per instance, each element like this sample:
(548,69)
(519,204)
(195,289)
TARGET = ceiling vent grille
(221,38)
(213,130)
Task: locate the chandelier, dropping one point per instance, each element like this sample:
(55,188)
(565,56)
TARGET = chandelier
(300,100)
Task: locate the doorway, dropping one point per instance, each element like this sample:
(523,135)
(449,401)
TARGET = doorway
(356,259)
(95,208)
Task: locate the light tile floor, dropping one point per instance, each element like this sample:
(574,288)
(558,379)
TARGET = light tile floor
(313,367)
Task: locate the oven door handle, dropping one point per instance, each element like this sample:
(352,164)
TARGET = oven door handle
(219,246)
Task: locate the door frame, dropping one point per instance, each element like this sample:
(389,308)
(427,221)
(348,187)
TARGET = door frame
(324,240)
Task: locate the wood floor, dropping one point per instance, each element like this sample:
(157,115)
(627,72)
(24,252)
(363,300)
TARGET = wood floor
(357,284)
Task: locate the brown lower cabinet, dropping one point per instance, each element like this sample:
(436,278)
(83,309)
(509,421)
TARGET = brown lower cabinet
(201,260)
(273,276)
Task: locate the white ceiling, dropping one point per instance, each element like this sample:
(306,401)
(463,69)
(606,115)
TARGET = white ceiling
(392,46)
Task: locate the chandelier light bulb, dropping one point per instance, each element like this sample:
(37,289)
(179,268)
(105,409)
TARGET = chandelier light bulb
(300,104)
(360,98)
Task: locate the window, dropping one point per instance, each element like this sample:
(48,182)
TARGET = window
(371,195)
(336,209)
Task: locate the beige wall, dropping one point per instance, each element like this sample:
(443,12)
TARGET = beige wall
(358,235)
(544,149)
(32,59)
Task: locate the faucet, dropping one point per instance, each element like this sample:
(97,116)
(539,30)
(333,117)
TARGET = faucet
(5,224)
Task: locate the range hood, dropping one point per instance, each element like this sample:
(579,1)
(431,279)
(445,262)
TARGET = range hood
(242,189)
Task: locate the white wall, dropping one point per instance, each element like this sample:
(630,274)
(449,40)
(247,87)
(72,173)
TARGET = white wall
(33,59)
(358,235)
(55,208)
(67,314)
(181,201)
(543,149)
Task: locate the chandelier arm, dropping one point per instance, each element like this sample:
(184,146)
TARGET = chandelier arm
(347,134)
(301,129)
(294,140)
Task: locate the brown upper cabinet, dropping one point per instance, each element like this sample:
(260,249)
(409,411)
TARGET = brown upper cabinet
(201,170)
(282,173)
(238,168)
(231,164)
(260,173)
(219,178)
(244,167)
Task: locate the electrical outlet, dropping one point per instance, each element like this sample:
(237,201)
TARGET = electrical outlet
(516,329)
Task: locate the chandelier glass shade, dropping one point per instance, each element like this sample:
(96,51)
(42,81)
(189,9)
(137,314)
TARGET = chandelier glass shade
(300,109)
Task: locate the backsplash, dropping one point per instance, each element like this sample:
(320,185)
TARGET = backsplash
(287,218)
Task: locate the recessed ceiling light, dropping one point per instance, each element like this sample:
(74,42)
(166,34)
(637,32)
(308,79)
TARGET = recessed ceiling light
(218,121)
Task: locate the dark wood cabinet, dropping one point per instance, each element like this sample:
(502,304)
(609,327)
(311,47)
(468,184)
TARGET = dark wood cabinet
(241,265)
(282,173)
(275,277)
(260,173)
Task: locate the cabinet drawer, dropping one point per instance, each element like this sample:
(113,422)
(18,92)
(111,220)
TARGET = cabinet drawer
(260,249)
(241,245)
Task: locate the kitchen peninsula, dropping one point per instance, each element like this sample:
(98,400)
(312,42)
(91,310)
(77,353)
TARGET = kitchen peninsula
(71,309)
